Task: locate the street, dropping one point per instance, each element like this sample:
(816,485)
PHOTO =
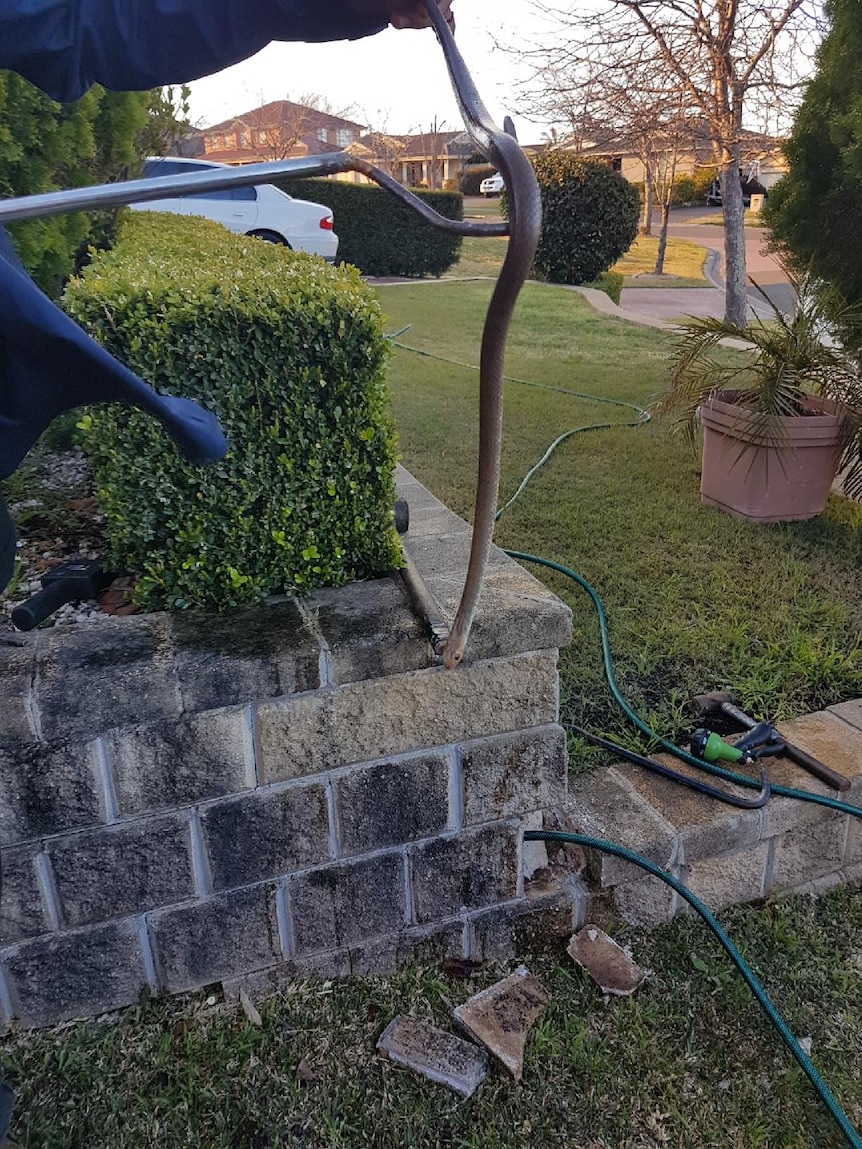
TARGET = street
(761,266)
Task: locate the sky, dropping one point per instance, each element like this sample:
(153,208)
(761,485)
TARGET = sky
(395,81)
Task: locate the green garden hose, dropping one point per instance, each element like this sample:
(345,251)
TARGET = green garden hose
(837,1113)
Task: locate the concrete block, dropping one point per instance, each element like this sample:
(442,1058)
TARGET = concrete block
(854,843)
(48,789)
(180,763)
(78,974)
(233,658)
(518,928)
(122,870)
(393,802)
(514,774)
(16,674)
(426,708)
(222,937)
(830,738)
(380,957)
(646,902)
(501,1016)
(705,826)
(23,913)
(730,879)
(604,805)
(808,852)
(850,712)
(264,834)
(371,630)
(96,678)
(442,1057)
(340,905)
(476,868)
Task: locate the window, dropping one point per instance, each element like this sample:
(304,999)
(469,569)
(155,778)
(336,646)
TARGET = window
(321,134)
(245,194)
(617,164)
(157,167)
(343,137)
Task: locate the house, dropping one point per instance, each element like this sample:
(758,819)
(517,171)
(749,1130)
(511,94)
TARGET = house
(277,131)
(433,159)
(761,156)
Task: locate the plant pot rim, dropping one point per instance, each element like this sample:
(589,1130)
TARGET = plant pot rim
(732,403)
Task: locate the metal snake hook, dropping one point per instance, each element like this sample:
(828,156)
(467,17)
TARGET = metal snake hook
(525,215)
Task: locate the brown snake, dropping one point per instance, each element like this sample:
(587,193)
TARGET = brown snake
(525,216)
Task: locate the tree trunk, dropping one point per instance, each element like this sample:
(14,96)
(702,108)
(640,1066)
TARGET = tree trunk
(662,238)
(736,299)
(646,218)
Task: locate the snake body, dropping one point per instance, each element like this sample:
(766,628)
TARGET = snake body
(525,216)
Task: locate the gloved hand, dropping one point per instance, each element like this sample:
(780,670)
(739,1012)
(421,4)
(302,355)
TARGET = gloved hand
(403,13)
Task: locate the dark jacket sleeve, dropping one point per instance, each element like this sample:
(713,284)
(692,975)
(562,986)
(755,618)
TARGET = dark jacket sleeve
(65,46)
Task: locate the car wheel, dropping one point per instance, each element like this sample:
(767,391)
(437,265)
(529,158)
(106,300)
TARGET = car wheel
(270,237)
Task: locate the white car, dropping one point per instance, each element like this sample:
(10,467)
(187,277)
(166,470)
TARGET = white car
(261,209)
(493,185)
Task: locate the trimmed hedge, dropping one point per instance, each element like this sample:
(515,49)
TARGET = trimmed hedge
(589,218)
(473,175)
(379,234)
(290,355)
(611,283)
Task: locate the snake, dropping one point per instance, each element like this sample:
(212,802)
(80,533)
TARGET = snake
(523,229)
(525,223)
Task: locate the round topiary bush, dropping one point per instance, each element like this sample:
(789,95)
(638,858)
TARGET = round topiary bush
(590,218)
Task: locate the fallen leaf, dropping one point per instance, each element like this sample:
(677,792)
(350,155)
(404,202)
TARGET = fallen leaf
(306,1074)
(249,1009)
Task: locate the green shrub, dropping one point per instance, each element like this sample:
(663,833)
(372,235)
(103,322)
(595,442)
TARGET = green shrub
(379,234)
(691,189)
(473,175)
(590,218)
(611,283)
(290,354)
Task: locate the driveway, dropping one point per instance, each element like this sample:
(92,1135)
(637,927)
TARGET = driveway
(760,265)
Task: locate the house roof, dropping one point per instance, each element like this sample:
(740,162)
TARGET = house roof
(281,111)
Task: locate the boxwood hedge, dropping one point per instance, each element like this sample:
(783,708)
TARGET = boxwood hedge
(379,234)
(289,352)
(589,218)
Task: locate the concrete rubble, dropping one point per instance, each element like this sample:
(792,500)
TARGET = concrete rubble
(439,1056)
(607,963)
(500,1017)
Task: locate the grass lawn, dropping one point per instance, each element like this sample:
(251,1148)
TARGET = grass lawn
(683,263)
(688,1062)
(695,598)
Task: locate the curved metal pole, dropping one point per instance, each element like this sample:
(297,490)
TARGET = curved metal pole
(524,228)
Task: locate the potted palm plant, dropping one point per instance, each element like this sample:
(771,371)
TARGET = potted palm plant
(781,417)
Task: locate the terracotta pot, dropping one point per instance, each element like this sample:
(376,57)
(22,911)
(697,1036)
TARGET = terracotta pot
(778,478)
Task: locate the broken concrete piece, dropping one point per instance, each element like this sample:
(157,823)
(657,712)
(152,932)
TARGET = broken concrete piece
(439,1056)
(606,962)
(500,1017)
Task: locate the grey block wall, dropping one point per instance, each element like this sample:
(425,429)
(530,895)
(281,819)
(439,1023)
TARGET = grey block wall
(192,800)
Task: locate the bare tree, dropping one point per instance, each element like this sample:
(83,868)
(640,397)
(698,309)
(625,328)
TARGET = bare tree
(729,57)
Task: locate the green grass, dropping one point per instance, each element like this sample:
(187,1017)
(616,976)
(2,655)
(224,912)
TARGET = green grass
(695,599)
(683,262)
(688,1062)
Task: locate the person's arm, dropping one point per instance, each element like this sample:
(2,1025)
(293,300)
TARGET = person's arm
(65,46)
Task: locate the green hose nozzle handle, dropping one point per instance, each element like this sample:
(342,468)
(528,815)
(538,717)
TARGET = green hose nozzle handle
(712,747)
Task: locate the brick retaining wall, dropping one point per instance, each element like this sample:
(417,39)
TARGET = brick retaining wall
(244,798)
(188,800)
